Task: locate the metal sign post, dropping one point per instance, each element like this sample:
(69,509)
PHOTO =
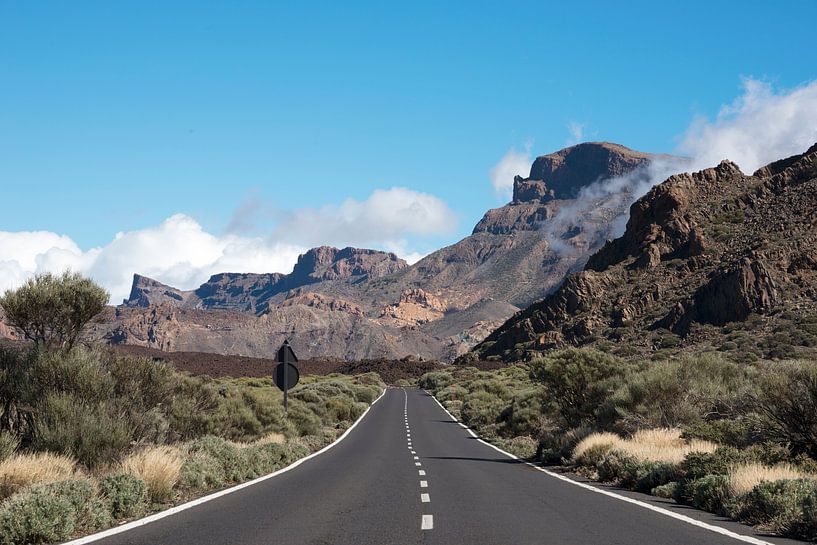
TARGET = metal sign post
(286,375)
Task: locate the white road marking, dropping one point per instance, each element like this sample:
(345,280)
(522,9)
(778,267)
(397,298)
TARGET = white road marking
(204,499)
(645,505)
(428,522)
(423,484)
(425,498)
(413,452)
(422,472)
(416,457)
(418,464)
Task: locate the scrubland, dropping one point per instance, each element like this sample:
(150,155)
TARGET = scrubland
(91,438)
(737,439)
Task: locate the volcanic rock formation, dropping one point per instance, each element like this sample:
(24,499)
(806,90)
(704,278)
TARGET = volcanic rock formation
(716,259)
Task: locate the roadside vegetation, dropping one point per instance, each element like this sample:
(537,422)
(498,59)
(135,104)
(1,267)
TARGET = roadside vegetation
(737,439)
(89,438)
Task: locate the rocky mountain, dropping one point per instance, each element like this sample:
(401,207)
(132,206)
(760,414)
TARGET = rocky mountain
(366,304)
(712,260)
(249,292)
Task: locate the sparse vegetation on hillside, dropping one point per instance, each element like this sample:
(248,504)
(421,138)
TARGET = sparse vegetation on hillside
(732,438)
(89,437)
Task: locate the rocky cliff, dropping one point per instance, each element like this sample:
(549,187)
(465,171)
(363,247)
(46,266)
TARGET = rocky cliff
(715,259)
(249,292)
(439,307)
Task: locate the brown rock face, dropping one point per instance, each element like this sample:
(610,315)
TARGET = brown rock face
(249,292)
(700,251)
(363,303)
(567,171)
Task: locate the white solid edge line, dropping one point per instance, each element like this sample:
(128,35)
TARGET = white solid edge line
(204,499)
(645,505)
(427,522)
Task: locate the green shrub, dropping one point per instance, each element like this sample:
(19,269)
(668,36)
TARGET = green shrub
(51,512)
(90,433)
(522,446)
(579,381)
(481,411)
(232,459)
(787,404)
(9,442)
(618,467)
(708,493)
(264,459)
(201,471)
(681,393)
(777,504)
(435,381)
(649,475)
(669,490)
(697,465)
(304,420)
(806,526)
(126,494)
(53,310)
(555,446)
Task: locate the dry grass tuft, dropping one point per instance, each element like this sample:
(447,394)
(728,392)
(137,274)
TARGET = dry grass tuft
(659,437)
(597,441)
(158,467)
(655,445)
(744,478)
(276,438)
(21,470)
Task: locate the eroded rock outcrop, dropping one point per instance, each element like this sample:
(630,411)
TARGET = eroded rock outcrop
(700,252)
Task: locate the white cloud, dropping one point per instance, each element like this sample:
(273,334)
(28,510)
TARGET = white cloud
(384,218)
(513,163)
(576,131)
(181,253)
(759,127)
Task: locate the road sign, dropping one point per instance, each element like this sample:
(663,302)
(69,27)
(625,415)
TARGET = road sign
(286,379)
(286,375)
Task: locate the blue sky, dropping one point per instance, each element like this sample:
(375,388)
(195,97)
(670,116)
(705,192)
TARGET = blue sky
(114,116)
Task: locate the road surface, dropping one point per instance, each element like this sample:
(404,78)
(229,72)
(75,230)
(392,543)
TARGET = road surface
(409,474)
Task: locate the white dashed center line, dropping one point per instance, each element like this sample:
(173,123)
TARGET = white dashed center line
(427,521)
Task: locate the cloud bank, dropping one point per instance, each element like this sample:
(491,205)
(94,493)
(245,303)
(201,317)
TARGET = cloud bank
(760,126)
(181,253)
(512,163)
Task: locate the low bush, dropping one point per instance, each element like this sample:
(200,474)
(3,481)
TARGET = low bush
(9,443)
(126,495)
(619,467)
(90,433)
(709,493)
(51,512)
(158,467)
(649,475)
(669,490)
(774,504)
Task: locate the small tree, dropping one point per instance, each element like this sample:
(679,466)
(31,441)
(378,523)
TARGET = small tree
(53,310)
(579,381)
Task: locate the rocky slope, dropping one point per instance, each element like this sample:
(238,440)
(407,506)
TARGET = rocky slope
(363,303)
(716,259)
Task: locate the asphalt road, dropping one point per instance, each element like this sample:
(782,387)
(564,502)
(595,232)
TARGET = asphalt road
(410,474)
